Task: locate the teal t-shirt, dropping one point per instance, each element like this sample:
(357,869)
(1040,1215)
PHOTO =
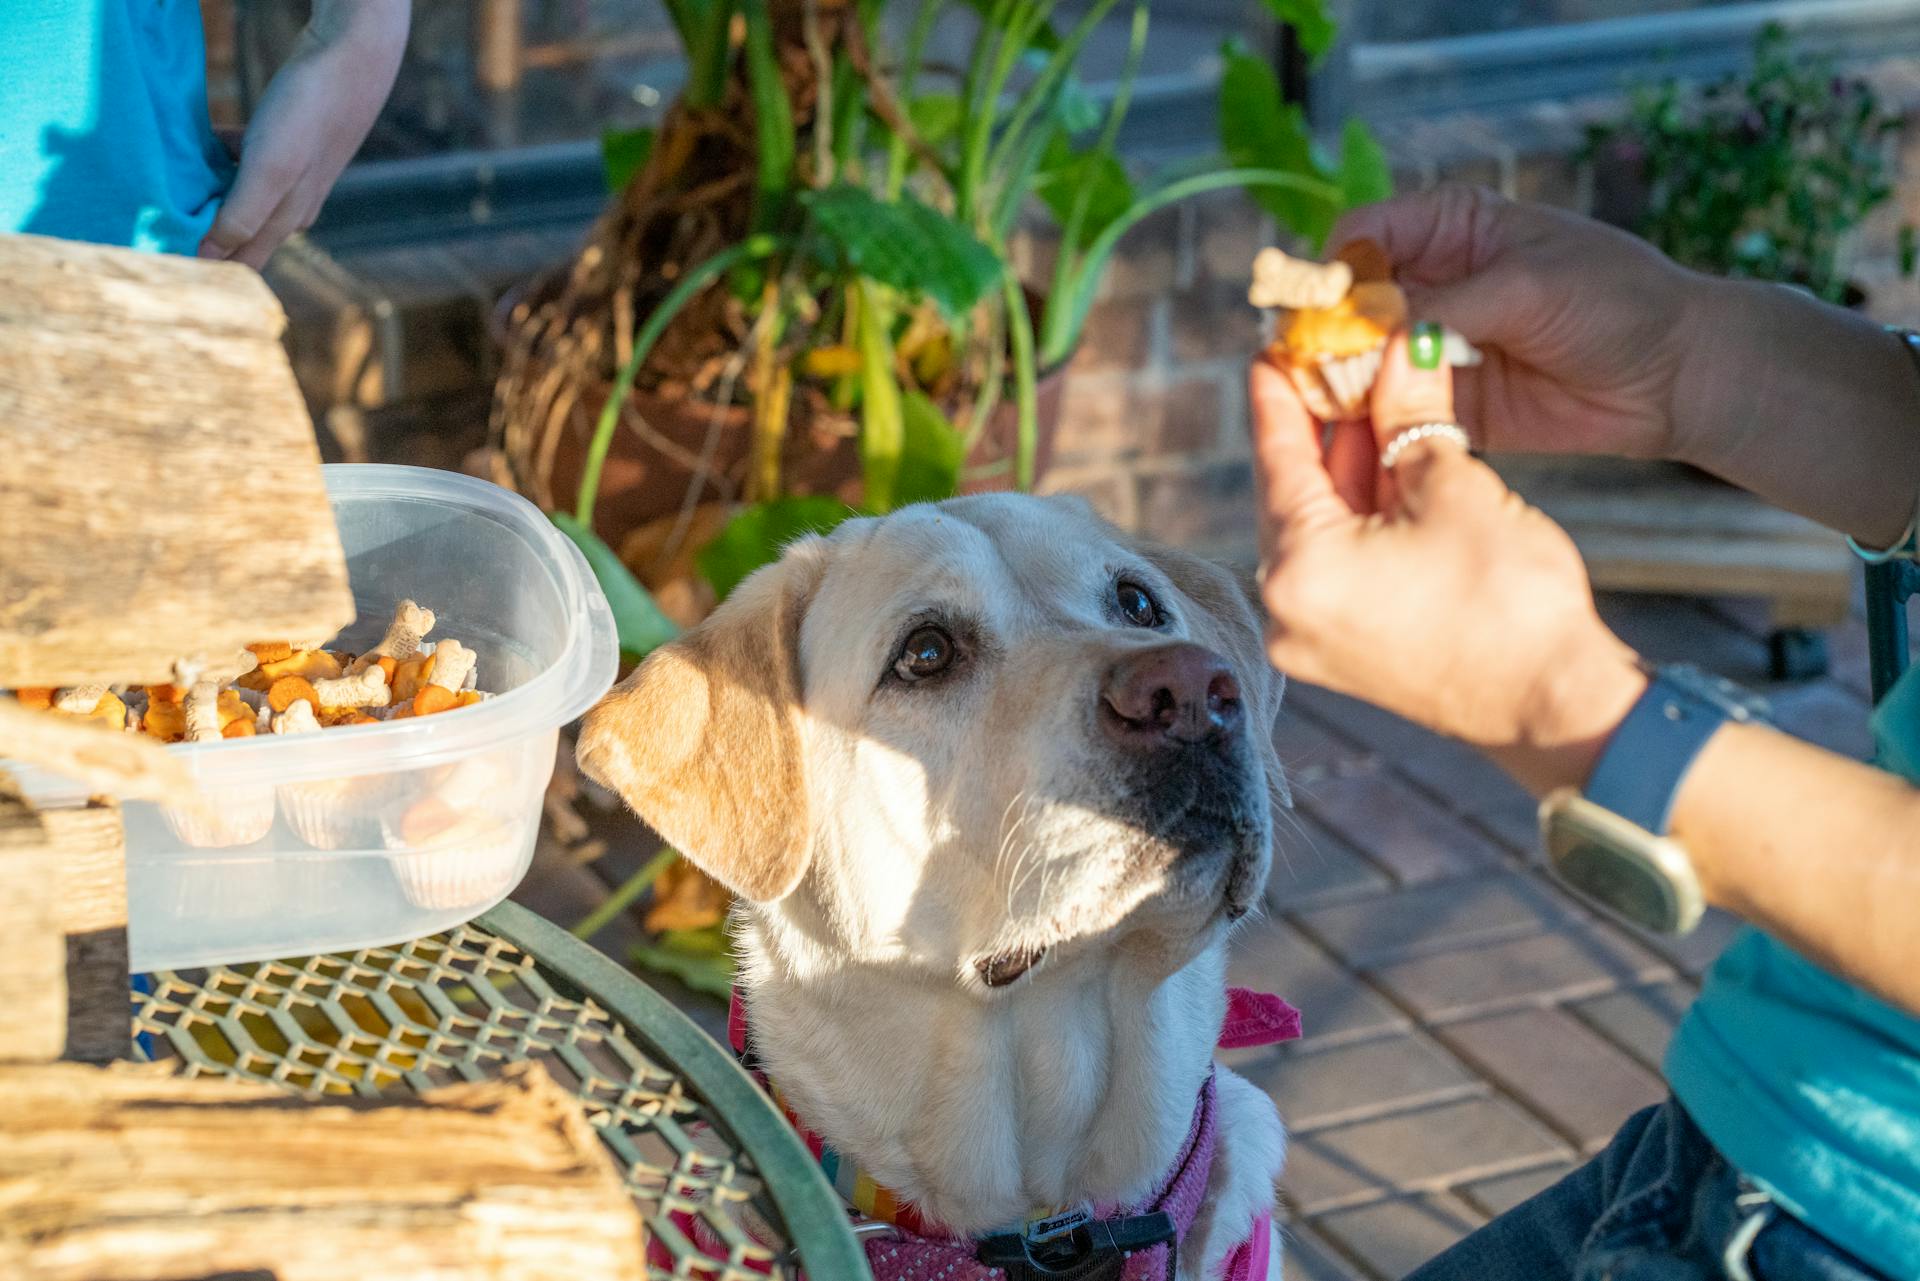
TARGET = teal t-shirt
(104,134)
(1807,1084)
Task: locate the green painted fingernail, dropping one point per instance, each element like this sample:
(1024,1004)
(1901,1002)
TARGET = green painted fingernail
(1424,345)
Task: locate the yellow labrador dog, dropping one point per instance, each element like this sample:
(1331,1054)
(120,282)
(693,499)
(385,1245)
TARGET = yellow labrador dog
(991,781)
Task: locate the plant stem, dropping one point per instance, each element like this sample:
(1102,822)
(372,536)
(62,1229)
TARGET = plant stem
(621,899)
(1109,134)
(973,160)
(976,109)
(697,278)
(1062,324)
(909,75)
(1059,66)
(1025,381)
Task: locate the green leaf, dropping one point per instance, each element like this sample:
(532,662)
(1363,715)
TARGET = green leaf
(1066,177)
(702,959)
(623,153)
(1311,25)
(930,455)
(882,432)
(935,117)
(702,25)
(1260,131)
(638,621)
(1365,175)
(907,245)
(772,118)
(1044,38)
(761,532)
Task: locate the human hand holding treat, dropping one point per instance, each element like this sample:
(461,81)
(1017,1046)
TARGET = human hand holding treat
(1331,324)
(1437,594)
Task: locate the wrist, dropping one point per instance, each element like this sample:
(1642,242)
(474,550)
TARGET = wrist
(1575,709)
(1714,369)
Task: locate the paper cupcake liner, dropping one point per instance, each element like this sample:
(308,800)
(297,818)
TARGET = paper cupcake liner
(222,817)
(1349,379)
(338,814)
(455,872)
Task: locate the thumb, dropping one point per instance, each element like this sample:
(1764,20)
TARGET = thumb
(1405,394)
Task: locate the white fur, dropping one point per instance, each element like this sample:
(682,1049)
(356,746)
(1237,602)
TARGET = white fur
(948,826)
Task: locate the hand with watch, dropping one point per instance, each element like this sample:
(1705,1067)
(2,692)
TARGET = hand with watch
(1609,841)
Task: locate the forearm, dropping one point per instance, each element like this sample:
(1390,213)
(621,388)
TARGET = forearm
(1820,851)
(1810,406)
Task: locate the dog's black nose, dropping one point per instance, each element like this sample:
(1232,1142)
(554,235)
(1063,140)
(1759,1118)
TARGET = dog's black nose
(1180,693)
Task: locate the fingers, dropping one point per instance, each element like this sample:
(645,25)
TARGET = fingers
(1353,460)
(1434,237)
(258,192)
(1294,482)
(1405,395)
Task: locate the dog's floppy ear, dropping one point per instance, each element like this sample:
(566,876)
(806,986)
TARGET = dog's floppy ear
(703,739)
(1234,628)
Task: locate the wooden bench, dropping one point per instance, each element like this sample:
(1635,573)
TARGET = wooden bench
(1663,527)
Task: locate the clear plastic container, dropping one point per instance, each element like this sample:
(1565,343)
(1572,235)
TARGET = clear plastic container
(372,834)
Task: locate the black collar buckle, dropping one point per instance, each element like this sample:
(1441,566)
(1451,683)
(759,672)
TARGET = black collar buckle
(1093,1251)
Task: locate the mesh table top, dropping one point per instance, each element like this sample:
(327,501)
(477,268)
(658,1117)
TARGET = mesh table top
(695,1139)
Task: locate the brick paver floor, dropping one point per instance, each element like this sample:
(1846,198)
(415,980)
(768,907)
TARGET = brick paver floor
(1472,1030)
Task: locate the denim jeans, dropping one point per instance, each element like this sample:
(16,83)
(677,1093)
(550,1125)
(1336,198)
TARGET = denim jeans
(1659,1204)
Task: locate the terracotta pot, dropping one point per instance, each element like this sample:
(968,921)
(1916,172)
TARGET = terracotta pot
(654,456)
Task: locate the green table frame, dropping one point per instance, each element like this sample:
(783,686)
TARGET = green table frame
(692,1133)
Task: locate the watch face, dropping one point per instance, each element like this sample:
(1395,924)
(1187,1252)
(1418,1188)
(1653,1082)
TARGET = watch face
(1622,883)
(1645,879)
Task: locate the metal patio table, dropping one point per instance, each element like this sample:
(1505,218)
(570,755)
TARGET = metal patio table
(693,1136)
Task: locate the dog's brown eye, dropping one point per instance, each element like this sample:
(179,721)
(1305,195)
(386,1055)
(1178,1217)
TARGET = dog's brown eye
(928,652)
(1135,605)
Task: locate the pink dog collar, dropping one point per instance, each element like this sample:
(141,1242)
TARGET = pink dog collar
(917,1250)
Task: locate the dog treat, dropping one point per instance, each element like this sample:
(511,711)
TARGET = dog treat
(280,687)
(1332,321)
(409,626)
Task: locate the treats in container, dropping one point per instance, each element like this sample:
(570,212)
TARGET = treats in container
(219,817)
(318,871)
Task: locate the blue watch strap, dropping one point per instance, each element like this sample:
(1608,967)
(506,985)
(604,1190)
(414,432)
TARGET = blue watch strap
(1639,773)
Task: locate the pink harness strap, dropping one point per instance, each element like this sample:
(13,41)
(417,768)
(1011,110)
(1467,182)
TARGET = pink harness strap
(929,1254)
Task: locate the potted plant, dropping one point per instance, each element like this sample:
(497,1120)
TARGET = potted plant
(800,301)
(801,305)
(1766,176)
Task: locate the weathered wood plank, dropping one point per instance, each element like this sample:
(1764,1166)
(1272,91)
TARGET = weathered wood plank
(1658,527)
(89,851)
(33,956)
(112,1174)
(129,766)
(160,496)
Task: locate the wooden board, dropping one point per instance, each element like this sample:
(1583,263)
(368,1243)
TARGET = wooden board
(33,957)
(126,1172)
(88,844)
(160,495)
(1661,527)
(129,766)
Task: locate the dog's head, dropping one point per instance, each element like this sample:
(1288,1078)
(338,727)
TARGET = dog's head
(970,734)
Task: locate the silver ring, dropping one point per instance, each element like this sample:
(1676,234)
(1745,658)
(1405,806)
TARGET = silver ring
(1423,431)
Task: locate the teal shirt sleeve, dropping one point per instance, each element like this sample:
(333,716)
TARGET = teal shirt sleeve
(1808,1084)
(104,132)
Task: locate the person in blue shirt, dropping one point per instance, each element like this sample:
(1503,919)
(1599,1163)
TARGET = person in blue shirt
(1408,575)
(104,133)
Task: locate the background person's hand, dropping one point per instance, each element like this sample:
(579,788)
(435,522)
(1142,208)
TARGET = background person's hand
(1583,328)
(1452,603)
(312,119)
